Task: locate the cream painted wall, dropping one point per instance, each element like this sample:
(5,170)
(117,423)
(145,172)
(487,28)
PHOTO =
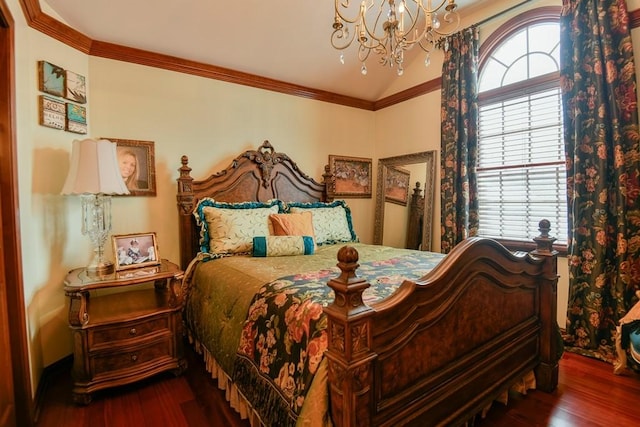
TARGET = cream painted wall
(51,242)
(211,122)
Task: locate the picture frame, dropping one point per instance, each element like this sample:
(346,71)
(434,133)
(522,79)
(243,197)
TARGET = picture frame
(397,185)
(76,118)
(352,176)
(142,180)
(135,250)
(51,79)
(75,87)
(52,112)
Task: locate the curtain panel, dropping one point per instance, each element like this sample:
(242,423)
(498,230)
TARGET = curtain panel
(459,140)
(603,171)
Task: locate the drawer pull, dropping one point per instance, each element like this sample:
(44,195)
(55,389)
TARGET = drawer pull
(133,331)
(134,357)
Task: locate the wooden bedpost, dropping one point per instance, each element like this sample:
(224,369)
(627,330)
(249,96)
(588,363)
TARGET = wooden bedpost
(416,214)
(185,199)
(349,351)
(547,370)
(329,181)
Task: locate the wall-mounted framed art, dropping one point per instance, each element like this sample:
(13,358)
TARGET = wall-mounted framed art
(51,112)
(76,118)
(137,165)
(51,79)
(352,176)
(75,87)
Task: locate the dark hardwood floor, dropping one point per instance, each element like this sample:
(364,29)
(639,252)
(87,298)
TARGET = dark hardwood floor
(588,395)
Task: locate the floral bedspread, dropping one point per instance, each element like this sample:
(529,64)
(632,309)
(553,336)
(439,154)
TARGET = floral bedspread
(284,336)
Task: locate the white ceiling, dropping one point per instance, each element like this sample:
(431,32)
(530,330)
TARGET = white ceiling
(286,40)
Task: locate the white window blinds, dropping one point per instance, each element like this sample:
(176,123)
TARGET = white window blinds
(521,167)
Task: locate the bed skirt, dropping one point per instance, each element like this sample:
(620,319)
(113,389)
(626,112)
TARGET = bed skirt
(241,405)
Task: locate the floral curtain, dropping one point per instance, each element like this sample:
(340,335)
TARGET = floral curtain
(459,143)
(603,171)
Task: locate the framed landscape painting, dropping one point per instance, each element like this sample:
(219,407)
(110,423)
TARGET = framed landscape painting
(352,176)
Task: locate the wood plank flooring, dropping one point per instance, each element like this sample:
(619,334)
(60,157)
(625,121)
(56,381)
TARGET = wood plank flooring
(588,395)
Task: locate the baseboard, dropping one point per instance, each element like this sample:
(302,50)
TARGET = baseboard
(48,376)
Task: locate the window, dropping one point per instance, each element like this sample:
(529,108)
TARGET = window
(521,167)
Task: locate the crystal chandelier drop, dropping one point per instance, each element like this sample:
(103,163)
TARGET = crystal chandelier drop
(389,27)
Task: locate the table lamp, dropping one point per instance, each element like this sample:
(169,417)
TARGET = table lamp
(94,174)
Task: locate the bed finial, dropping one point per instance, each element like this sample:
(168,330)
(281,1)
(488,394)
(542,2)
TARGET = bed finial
(544,242)
(348,287)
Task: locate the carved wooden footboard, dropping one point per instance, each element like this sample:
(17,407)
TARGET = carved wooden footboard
(441,349)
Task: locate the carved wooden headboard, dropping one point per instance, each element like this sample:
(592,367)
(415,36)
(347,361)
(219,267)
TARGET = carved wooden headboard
(255,175)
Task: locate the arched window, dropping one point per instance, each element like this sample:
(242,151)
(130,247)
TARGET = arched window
(521,167)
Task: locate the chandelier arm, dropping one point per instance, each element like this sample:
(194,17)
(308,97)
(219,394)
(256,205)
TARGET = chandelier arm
(383,29)
(428,7)
(453,18)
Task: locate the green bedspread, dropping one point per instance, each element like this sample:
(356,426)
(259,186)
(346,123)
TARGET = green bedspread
(275,357)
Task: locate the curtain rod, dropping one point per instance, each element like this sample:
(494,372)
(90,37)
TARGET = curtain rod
(484,21)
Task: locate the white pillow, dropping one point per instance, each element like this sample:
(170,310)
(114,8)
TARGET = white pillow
(331,221)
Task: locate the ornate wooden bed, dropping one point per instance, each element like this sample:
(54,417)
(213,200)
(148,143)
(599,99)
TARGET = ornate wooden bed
(440,349)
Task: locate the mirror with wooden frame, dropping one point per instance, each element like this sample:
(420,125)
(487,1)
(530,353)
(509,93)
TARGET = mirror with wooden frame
(418,225)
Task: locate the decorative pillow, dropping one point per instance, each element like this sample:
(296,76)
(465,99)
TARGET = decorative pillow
(264,246)
(331,221)
(229,228)
(292,224)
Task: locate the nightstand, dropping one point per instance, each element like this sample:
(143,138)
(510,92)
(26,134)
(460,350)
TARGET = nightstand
(122,337)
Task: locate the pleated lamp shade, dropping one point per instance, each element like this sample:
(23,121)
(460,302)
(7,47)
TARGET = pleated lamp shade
(94,169)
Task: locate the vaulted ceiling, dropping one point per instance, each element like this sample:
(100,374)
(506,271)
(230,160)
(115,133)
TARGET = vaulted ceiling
(283,40)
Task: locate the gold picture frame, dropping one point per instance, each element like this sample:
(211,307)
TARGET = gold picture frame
(135,250)
(142,181)
(352,176)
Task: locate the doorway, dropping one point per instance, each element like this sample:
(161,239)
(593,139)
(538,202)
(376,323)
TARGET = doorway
(16,402)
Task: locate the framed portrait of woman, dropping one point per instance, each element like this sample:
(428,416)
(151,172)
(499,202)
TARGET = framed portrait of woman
(137,165)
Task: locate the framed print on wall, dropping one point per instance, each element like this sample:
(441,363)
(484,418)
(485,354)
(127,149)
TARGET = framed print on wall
(51,78)
(397,185)
(352,176)
(135,250)
(137,165)
(75,87)
(76,118)
(51,112)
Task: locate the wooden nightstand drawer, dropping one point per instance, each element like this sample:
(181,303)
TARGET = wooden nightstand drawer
(128,330)
(131,359)
(123,337)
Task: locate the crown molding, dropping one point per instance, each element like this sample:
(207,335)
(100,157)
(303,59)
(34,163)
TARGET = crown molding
(44,23)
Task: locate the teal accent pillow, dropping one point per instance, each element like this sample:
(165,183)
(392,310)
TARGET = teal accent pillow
(266,246)
(229,228)
(634,340)
(332,221)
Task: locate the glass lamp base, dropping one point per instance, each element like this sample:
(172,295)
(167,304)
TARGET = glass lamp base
(100,269)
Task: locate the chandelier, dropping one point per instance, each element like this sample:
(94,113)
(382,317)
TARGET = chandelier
(389,27)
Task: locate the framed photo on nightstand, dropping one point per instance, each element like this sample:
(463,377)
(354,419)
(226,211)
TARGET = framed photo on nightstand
(135,250)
